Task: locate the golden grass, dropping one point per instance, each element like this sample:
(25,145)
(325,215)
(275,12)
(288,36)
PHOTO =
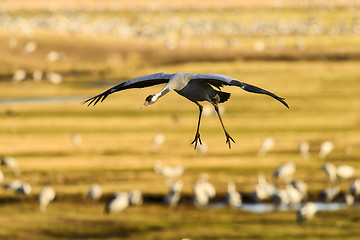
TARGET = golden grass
(116,153)
(117,136)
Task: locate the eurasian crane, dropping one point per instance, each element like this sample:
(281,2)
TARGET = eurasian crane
(194,87)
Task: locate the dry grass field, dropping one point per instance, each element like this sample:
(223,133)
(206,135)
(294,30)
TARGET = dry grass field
(321,85)
(117,138)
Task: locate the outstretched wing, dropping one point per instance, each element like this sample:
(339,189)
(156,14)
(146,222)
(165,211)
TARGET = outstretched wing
(218,80)
(139,82)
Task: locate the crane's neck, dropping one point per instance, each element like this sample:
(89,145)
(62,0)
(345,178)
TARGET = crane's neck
(177,82)
(158,95)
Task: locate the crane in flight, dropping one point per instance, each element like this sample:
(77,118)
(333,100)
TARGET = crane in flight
(194,87)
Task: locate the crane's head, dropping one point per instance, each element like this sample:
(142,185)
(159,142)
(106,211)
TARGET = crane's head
(151,99)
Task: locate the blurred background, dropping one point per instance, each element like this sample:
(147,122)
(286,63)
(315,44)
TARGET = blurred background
(113,171)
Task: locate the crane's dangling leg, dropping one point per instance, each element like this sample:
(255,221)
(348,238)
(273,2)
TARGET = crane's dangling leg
(228,138)
(197,135)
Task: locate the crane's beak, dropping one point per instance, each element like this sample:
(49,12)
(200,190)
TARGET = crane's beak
(146,103)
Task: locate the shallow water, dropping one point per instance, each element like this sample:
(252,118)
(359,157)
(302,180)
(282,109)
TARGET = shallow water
(271,207)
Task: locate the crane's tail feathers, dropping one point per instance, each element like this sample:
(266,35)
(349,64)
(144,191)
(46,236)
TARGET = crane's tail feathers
(224,96)
(254,89)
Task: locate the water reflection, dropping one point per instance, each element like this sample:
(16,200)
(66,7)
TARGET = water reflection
(270,207)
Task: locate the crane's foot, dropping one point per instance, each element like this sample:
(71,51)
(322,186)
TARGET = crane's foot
(228,138)
(197,138)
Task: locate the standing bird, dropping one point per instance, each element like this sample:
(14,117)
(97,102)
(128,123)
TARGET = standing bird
(194,87)
(169,172)
(173,198)
(203,191)
(330,193)
(118,202)
(24,188)
(355,188)
(76,139)
(306,212)
(331,171)
(266,145)
(1,176)
(121,200)
(345,171)
(233,197)
(94,193)
(285,172)
(158,140)
(263,190)
(304,149)
(46,195)
(11,163)
(325,148)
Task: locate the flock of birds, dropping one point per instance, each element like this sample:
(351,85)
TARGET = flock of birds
(178,31)
(39,74)
(282,190)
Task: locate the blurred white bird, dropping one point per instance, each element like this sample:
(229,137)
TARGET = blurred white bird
(233,197)
(349,199)
(355,188)
(37,75)
(24,188)
(203,191)
(30,47)
(263,190)
(280,196)
(294,194)
(11,163)
(301,186)
(1,176)
(94,192)
(285,172)
(345,171)
(46,196)
(118,202)
(289,195)
(325,148)
(19,76)
(54,78)
(136,198)
(331,171)
(202,149)
(306,212)
(157,142)
(267,144)
(168,172)
(53,56)
(328,194)
(121,200)
(209,111)
(76,139)
(304,149)
(173,198)
(13,185)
